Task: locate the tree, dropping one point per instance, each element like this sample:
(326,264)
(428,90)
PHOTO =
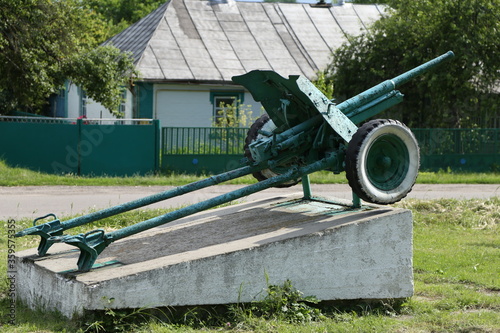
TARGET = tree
(45,42)
(462,93)
(102,72)
(122,13)
(234,115)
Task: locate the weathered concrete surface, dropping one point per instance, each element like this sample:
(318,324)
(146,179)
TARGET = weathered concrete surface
(223,256)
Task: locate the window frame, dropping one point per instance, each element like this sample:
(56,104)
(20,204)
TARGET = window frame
(215,96)
(83,103)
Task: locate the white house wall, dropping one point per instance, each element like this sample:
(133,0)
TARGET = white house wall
(95,110)
(73,101)
(190,106)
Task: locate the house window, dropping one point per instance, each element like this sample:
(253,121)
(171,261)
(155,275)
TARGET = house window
(225,108)
(123,104)
(83,103)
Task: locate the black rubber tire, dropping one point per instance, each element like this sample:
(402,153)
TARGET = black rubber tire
(263,122)
(382,161)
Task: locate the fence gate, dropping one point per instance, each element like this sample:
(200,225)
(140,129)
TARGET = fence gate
(81,146)
(202,150)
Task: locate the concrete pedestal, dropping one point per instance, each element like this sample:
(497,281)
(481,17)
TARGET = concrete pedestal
(223,256)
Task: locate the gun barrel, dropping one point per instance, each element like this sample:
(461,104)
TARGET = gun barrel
(349,106)
(407,76)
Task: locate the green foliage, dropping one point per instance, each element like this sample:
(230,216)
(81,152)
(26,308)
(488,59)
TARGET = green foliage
(43,42)
(462,93)
(111,320)
(287,303)
(281,303)
(324,85)
(449,177)
(122,13)
(12,176)
(234,115)
(102,72)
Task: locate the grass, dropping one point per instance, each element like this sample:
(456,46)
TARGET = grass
(14,176)
(456,272)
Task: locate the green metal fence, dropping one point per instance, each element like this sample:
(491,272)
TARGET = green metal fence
(467,150)
(214,150)
(202,150)
(126,147)
(82,147)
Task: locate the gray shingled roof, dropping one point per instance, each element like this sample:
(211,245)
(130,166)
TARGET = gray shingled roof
(211,41)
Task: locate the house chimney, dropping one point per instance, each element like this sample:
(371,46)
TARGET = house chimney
(322,4)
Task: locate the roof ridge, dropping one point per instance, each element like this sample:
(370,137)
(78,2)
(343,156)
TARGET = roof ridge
(137,36)
(212,40)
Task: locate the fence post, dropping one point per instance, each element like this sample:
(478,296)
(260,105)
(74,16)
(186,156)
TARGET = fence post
(156,125)
(79,123)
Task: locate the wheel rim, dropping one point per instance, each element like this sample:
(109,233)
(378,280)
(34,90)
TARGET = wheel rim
(387,162)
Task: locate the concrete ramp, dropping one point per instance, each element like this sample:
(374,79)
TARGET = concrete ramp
(222,256)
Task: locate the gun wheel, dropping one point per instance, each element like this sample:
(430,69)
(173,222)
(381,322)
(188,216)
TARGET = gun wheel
(257,131)
(382,161)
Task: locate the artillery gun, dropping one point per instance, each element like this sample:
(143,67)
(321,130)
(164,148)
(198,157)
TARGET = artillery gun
(302,132)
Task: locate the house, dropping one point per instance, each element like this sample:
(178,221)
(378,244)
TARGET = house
(72,102)
(188,50)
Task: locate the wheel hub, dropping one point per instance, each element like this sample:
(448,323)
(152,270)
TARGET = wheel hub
(384,162)
(387,162)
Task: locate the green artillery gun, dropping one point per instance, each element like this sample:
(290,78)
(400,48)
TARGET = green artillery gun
(302,132)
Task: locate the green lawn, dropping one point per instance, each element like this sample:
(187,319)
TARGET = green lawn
(457,286)
(11,176)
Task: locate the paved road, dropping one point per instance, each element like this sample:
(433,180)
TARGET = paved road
(36,201)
